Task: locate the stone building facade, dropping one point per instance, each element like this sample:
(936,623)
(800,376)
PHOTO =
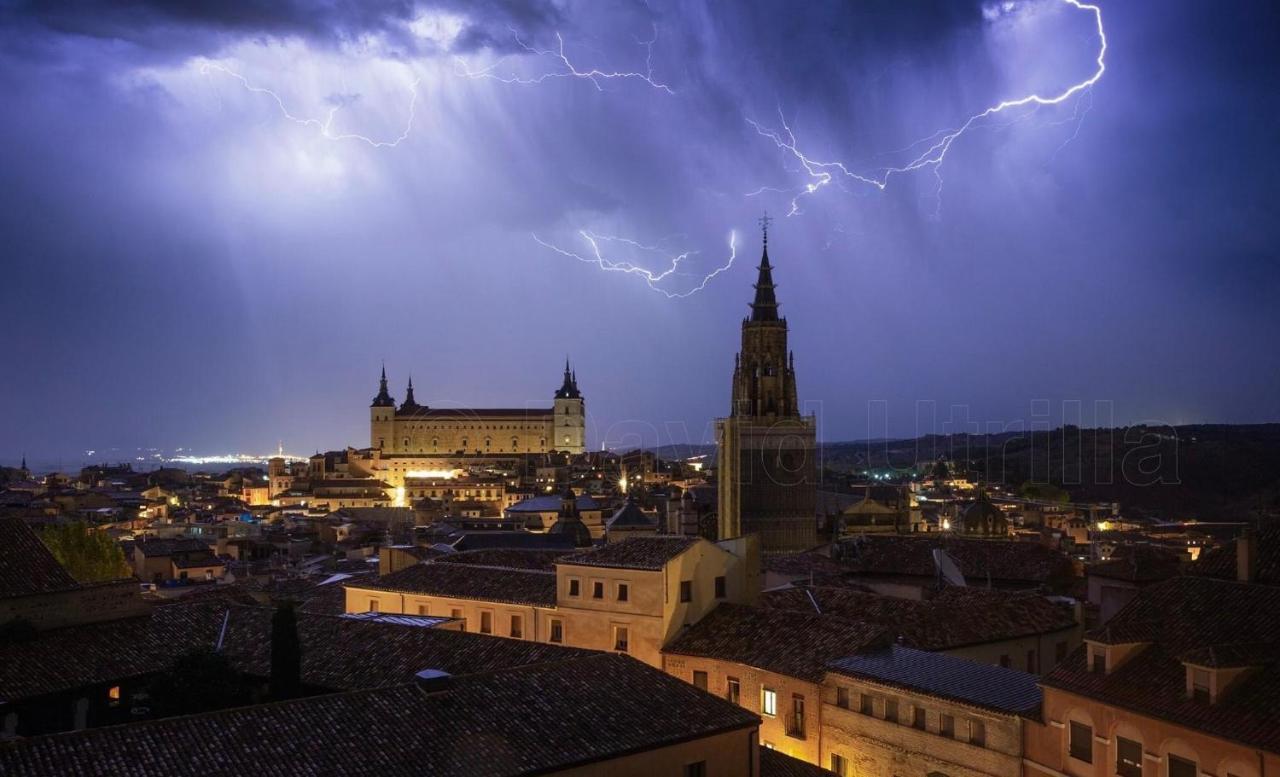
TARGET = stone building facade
(418,430)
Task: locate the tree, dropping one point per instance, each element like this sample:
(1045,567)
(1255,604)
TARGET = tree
(200,680)
(286,654)
(90,556)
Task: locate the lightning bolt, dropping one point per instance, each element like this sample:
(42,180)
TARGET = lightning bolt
(565,67)
(325,126)
(937,145)
(596,257)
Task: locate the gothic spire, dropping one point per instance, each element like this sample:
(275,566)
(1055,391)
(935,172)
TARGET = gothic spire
(409,403)
(569,388)
(765,305)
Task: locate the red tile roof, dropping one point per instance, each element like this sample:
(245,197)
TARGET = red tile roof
(1178,619)
(460,581)
(650,553)
(27,566)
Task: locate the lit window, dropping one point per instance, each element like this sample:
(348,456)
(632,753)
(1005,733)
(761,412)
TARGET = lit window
(839,765)
(768,701)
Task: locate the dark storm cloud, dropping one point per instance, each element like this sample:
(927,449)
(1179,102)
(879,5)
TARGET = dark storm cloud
(183,27)
(185,266)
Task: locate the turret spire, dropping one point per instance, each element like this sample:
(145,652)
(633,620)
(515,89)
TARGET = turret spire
(384,398)
(409,403)
(765,305)
(569,388)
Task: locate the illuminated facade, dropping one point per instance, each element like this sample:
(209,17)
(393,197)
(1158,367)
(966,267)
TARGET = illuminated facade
(417,430)
(767,459)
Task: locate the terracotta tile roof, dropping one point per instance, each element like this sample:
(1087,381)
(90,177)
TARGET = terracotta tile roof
(633,553)
(803,566)
(114,650)
(347,654)
(535,719)
(156,547)
(1220,562)
(954,618)
(790,643)
(461,581)
(510,558)
(1181,617)
(775,763)
(26,566)
(1006,561)
(1139,564)
(946,677)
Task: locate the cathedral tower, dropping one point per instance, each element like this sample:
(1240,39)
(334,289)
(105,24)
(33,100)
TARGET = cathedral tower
(767,463)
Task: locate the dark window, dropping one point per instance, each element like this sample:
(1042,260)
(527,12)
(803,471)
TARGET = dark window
(574,588)
(517,626)
(1059,652)
(1033,666)
(1004,660)
(620,638)
(867,704)
(946,725)
(622,592)
(686,590)
(557,631)
(1100,662)
(733,690)
(486,623)
(597,590)
(839,765)
(977,733)
(1200,685)
(842,698)
(917,718)
(1128,758)
(1181,767)
(795,723)
(1081,742)
(720,587)
(700,680)
(891,710)
(698,769)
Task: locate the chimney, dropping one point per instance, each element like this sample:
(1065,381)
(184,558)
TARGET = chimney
(433,680)
(1246,557)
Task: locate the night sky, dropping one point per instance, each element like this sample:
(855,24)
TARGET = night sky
(191,260)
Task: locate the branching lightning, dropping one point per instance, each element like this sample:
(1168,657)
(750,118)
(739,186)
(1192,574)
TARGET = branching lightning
(939,143)
(565,67)
(326,126)
(653,279)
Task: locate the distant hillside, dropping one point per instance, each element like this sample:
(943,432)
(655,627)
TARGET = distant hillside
(1210,472)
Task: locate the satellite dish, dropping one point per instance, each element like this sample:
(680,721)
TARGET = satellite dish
(947,569)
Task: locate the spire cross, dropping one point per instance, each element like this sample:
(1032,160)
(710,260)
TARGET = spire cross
(764,222)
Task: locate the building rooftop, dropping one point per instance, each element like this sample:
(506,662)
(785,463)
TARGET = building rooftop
(551,504)
(155,547)
(1004,561)
(1220,562)
(953,618)
(946,677)
(27,566)
(462,581)
(1189,618)
(543,559)
(650,553)
(790,643)
(533,719)
(775,763)
(1140,563)
(427,413)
